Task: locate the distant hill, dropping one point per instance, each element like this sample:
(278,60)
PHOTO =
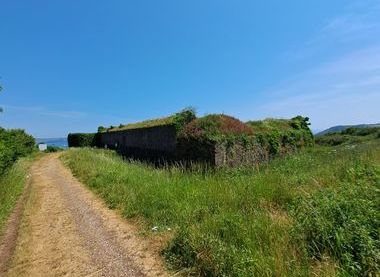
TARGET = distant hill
(340,128)
(59,142)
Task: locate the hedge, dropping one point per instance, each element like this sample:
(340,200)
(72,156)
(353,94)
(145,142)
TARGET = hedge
(83,139)
(14,144)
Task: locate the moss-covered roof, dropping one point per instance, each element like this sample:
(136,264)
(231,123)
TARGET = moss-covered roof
(281,125)
(270,124)
(177,120)
(143,124)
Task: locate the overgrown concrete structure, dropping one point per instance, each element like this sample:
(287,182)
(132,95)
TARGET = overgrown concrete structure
(217,140)
(152,143)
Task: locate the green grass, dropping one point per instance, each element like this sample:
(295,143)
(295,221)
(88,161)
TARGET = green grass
(144,124)
(248,221)
(11,187)
(270,124)
(177,120)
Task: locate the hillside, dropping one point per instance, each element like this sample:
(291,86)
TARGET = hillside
(349,136)
(340,128)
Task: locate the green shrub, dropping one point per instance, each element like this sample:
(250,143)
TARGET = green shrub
(360,131)
(83,140)
(343,222)
(331,140)
(101,129)
(348,136)
(280,135)
(183,117)
(11,187)
(13,145)
(52,149)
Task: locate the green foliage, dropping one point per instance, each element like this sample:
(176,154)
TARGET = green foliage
(178,120)
(349,136)
(83,139)
(343,222)
(52,149)
(14,144)
(360,131)
(198,137)
(183,117)
(281,135)
(11,187)
(215,127)
(236,221)
(101,129)
(332,139)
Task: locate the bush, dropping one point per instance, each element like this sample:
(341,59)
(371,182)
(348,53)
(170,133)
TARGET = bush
(183,117)
(281,135)
(360,131)
(332,140)
(343,222)
(13,145)
(349,136)
(101,129)
(52,149)
(83,140)
(215,127)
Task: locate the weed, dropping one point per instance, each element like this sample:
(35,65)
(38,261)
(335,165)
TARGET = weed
(11,187)
(241,222)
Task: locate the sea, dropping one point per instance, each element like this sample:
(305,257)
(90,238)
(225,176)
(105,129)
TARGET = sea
(59,142)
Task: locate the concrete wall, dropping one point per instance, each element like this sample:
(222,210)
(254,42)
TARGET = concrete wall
(238,154)
(221,154)
(146,143)
(160,143)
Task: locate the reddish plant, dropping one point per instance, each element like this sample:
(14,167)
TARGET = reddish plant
(214,126)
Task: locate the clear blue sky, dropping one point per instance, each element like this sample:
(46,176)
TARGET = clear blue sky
(70,66)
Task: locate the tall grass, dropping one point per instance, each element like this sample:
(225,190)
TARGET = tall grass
(231,222)
(11,187)
(343,222)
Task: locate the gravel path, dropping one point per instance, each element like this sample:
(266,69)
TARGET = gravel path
(67,231)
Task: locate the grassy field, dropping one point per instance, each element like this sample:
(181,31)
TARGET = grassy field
(311,213)
(11,187)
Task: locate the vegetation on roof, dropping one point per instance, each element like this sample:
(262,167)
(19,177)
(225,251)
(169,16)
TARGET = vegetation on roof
(178,120)
(281,125)
(215,127)
(275,135)
(280,135)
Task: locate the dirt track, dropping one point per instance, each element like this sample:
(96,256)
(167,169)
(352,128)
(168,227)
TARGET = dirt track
(67,231)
